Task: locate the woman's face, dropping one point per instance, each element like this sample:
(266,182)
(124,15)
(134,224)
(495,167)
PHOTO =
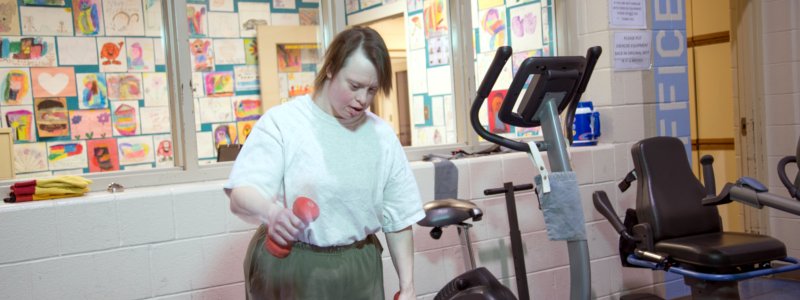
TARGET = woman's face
(351,91)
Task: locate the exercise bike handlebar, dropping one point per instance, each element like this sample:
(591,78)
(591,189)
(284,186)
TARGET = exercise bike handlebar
(500,58)
(742,191)
(794,189)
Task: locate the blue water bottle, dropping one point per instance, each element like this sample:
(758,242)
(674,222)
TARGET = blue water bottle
(586,128)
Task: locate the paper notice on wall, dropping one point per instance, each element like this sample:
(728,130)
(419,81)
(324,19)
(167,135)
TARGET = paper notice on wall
(627,14)
(632,50)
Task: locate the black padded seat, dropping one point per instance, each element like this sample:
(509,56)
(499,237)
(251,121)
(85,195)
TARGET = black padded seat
(444,212)
(723,249)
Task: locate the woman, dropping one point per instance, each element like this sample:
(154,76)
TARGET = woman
(331,149)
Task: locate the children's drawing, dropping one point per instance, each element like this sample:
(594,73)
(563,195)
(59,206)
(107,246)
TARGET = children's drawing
(196,16)
(244,129)
(300,83)
(92,91)
(21,120)
(103,155)
(67,155)
(309,16)
(215,110)
(165,156)
(219,84)
(247,108)
(44,2)
(15,86)
(251,51)
(223,24)
(416,32)
(27,52)
(438,50)
(251,15)
(135,150)
(220,5)
(90,124)
(246,78)
(53,82)
(494,101)
(9,21)
(124,86)
(30,157)
(140,55)
(435,20)
(493,29)
(86,15)
(112,54)
(152,18)
(289,4)
(123,18)
(229,52)
(45,21)
(51,116)
(224,134)
(155,119)
(351,6)
(155,89)
(125,118)
(289,59)
(526,34)
(198,86)
(202,56)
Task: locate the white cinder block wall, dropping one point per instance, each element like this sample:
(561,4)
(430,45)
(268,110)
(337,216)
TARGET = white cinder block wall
(181,242)
(781,61)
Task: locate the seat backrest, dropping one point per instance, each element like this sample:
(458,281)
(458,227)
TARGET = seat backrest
(668,194)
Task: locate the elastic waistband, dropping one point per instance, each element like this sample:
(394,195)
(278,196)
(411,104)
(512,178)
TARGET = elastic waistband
(369,240)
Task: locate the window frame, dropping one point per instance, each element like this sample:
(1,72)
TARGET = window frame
(187,167)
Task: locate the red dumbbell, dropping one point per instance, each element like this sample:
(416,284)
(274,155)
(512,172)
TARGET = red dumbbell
(397,295)
(305,209)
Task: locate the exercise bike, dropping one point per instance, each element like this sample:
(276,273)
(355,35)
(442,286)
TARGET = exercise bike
(676,227)
(793,189)
(556,84)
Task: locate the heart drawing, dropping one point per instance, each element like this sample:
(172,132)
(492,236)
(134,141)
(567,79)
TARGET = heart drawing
(53,84)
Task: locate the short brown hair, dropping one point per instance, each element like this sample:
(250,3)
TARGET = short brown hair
(347,42)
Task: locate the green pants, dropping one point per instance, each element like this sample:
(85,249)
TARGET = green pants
(349,272)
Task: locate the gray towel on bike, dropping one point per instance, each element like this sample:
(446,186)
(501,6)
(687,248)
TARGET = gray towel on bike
(563,214)
(445,182)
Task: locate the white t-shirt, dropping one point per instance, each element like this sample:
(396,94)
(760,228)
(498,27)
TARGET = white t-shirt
(360,179)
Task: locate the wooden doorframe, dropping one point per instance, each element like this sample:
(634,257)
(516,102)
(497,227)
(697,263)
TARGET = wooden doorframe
(748,77)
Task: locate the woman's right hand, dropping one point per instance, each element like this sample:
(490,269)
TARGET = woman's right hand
(284,226)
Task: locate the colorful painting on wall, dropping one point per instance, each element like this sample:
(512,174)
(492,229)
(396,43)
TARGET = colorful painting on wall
(493,102)
(165,155)
(202,55)
(53,82)
(27,52)
(87,15)
(30,157)
(67,155)
(21,120)
(90,124)
(51,117)
(92,91)
(103,155)
(225,134)
(219,84)
(15,85)
(247,108)
(124,86)
(125,118)
(289,59)
(135,150)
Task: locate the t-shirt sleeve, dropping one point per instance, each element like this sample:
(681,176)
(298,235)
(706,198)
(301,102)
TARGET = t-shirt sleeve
(260,163)
(402,204)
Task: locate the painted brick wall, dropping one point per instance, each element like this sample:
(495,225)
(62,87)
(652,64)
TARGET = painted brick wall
(181,242)
(781,61)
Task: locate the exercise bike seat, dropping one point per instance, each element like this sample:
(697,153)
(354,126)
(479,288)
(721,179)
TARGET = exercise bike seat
(444,212)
